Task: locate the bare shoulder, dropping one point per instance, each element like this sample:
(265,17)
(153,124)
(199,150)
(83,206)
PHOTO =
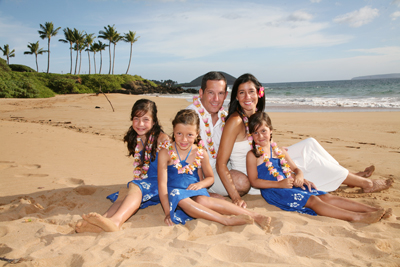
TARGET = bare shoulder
(162,137)
(234,121)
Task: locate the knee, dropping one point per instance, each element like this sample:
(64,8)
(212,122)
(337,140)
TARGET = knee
(313,200)
(241,182)
(202,200)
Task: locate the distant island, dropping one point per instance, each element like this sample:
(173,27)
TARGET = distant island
(379,76)
(197,82)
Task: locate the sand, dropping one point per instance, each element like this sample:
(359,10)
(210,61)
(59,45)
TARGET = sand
(60,158)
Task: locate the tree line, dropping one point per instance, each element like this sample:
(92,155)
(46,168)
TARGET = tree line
(78,41)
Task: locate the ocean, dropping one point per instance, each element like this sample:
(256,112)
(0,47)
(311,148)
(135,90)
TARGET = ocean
(329,96)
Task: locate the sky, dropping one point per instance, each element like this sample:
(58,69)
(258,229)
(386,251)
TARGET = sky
(277,41)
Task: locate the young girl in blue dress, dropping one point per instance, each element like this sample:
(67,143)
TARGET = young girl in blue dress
(142,140)
(183,195)
(274,172)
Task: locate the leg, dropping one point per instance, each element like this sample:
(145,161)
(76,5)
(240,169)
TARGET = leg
(84,226)
(368,186)
(197,210)
(241,182)
(228,208)
(326,209)
(347,204)
(124,209)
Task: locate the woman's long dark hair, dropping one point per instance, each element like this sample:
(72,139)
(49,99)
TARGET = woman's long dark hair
(255,121)
(234,103)
(139,109)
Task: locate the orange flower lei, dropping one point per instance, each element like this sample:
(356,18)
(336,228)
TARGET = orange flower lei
(188,168)
(246,125)
(268,163)
(200,109)
(140,173)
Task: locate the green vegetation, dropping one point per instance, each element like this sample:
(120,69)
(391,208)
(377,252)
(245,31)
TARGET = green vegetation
(21,68)
(29,84)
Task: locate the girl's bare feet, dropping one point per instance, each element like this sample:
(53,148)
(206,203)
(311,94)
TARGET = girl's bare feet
(104,223)
(371,217)
(84,226)
(388,214)
(378,185)
(239,219)
(367,172)
(264,222)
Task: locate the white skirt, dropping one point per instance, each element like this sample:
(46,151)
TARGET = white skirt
(318,165)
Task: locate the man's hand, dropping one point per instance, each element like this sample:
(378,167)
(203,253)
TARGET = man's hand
(239,202)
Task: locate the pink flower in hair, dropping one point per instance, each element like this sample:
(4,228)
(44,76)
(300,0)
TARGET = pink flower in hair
(261,92)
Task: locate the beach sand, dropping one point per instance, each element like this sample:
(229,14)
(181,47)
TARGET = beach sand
(60,157)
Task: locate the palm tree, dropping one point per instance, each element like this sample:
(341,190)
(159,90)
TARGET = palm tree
(69,38)
(109,34)
(101,47)
(79,38)
(94,48)
(34,49)
(79,48)
(88,41)
(117,38)
(47,31)
(7,53)
(130,38)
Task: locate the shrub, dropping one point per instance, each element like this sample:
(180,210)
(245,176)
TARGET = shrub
(21,68)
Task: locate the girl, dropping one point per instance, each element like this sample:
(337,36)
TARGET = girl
(142,139)
(182,194)
(274,172)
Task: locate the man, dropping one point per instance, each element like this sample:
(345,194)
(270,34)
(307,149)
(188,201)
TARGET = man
(208,106)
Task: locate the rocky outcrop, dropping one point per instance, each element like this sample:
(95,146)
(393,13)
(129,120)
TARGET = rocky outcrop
(144,87)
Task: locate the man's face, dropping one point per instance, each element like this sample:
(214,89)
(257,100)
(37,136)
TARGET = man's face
(213,96)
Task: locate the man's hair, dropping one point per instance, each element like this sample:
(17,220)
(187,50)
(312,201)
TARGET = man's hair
(213,76)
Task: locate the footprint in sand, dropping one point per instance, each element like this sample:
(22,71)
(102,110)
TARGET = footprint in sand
(7,164)
(356,147)
(30,175)
(71,181)
(301,246)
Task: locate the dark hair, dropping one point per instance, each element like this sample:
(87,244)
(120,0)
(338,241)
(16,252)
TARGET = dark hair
(234,103)
(139,109)
(255,121)
(212,76)
(187,117)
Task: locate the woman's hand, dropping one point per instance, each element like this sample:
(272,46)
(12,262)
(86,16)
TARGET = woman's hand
(309,185)
(168,220)
(286,183)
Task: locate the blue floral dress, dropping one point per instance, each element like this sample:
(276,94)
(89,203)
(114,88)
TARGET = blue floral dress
(177,184)
(148,186)
(290,199)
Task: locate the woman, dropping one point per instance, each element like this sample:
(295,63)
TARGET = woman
(247,97)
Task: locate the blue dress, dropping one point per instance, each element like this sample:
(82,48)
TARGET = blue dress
(290,199)
(177,184)
(148,186)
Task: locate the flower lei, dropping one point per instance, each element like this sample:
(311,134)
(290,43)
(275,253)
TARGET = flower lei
(140,173)
(268,163)
(200,109)
(174,156)
(246,125)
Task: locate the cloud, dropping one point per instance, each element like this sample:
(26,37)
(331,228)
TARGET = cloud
(359,17)
(395,15)
(204,32)
(396,2)
(315,1)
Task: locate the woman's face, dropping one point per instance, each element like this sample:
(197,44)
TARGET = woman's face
(143,124)
(247,96)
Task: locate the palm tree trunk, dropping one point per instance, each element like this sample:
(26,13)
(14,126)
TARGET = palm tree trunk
(101,61)
(48,56)
(130,57)
(88,53)
(70,48)
(76,63)
(37,66)
(94,59)
(114,59)
(109,49)
(80,62)
(8,60)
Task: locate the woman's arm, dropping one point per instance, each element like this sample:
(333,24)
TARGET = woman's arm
(251,164)
(163,158)
(229,136)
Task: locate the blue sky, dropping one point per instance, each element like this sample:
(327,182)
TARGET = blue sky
(277,41)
